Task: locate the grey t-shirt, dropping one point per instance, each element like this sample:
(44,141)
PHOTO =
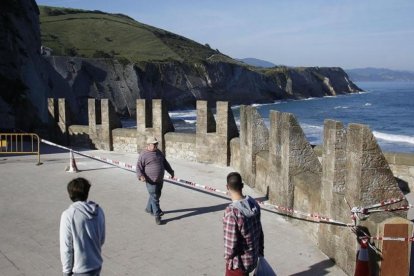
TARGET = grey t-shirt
(152,164)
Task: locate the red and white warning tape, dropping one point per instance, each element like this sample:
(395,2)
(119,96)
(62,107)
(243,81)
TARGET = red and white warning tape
(369,209)
(380,238)
(385,203)
(311,217)
(211,189)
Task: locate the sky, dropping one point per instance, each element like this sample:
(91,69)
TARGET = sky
(345,33)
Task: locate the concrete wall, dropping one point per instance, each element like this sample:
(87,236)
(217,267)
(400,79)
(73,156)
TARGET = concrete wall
(402,166)
(278,161)
(181,145)
(125,140)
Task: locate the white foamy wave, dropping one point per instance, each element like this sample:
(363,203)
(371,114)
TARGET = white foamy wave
(183,114)
(367,104)
(394,137)
(341,107)
(190,121)
(314,127)
(309,99)
(265,104)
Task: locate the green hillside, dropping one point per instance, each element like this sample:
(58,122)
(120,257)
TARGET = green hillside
(96,34)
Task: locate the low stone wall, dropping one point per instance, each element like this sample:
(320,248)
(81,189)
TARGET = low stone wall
(124,140)
(180,145)
(402,166)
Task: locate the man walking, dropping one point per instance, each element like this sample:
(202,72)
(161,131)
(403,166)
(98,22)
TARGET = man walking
(82,232)
(150,169)
(243,234)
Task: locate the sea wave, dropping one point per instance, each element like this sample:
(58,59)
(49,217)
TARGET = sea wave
(394,137)
(266,104)
(183,113)
(190,121)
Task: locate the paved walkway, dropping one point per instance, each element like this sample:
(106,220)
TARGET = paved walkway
(189,242)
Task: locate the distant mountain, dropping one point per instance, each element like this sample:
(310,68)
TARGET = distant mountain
(257,62)
(379,74)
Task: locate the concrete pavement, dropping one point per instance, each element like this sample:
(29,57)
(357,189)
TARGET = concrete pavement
(189,242)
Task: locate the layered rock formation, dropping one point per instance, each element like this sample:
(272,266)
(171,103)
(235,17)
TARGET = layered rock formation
(181,84)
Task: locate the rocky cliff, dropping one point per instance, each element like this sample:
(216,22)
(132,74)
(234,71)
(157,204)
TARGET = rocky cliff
(181,84)
(27,78)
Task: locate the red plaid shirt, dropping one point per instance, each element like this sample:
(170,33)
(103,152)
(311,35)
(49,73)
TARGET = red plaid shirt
(243,238)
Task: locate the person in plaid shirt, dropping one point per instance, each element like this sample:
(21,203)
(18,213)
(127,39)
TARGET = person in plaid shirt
(243,234)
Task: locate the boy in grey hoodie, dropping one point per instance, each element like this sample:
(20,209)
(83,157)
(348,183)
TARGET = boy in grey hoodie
(82,232)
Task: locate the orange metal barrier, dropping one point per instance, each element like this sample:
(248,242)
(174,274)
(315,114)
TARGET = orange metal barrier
(20,143)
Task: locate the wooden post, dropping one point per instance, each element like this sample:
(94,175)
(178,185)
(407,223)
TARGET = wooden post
(395,254)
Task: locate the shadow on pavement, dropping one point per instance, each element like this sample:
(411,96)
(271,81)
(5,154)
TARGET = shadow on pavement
(194,211)
(316,269)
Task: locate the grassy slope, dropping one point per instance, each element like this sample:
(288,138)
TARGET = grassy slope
(97,34)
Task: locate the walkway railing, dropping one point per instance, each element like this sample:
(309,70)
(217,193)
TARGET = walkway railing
(20,143)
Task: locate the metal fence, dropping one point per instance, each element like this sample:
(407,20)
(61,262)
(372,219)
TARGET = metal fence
(20,143)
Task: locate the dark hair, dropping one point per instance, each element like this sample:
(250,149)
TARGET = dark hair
(78,189)
(234,181)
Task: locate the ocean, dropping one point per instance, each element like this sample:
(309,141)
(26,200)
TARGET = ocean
(386,107)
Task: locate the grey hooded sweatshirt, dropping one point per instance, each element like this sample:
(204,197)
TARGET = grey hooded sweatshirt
(82,233)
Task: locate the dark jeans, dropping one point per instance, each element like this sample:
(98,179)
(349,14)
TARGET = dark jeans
(153,205)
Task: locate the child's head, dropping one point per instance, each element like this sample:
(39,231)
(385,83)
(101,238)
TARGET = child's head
(78,189)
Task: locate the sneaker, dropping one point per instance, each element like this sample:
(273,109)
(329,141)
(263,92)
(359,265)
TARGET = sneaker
(161,213)
(158,220)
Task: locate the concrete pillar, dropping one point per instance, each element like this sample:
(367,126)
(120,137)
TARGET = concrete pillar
(161,122)
(226,129)
(92,117)
(207,141)
(274,179)
(106,128)
(297,183)
(205,118)
(53,118)
(63,122)
(369,179)
(144,114)
(254,137)
(53,111)
(333,205)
